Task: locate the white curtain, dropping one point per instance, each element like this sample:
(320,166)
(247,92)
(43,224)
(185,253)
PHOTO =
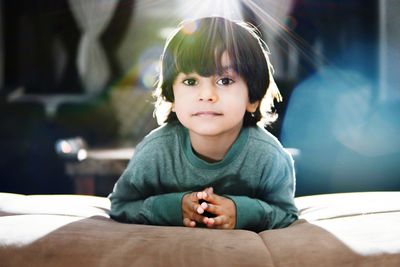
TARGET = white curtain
(92,17)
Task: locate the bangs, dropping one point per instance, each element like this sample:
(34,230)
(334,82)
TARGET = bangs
(202,58)
(201,50)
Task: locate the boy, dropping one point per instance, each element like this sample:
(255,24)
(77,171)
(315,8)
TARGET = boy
(209,164)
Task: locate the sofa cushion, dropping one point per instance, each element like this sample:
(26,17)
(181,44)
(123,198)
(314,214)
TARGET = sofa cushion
(340,230)
(76,231)
(352,229)
(70,205)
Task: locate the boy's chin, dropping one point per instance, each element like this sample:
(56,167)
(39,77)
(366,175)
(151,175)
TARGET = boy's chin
(206,129)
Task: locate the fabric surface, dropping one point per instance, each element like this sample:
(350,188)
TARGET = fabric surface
(352,229)
(56,240)
(349,229)
(256,173)
(70,205)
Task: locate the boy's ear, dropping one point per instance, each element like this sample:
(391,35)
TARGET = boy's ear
(252,107)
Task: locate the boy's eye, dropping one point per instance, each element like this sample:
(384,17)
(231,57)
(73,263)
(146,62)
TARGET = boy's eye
(225,81)
(190,82)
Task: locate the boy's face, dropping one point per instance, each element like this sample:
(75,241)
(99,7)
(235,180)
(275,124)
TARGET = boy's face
(212,106)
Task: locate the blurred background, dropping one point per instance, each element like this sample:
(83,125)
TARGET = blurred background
(76,78)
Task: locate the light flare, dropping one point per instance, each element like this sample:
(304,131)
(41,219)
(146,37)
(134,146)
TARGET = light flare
(190,27)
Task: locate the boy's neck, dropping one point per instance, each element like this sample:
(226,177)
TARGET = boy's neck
(213,148)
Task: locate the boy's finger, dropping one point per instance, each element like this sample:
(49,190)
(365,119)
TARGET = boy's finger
(204,205)
(213,198)
(199,209)
(189,223)
(197,218)
(201,195)
(209,222)
(204,194)
(220,220)
(214,209)
(194,197)
(209,190)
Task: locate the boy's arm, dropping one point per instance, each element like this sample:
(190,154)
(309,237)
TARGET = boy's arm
(128,204)
(275,207)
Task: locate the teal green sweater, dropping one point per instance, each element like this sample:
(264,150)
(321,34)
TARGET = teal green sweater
(256,173)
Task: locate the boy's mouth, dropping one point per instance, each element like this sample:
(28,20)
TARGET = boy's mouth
(207,113)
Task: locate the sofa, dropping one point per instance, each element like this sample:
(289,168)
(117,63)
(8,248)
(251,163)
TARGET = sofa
(344,229)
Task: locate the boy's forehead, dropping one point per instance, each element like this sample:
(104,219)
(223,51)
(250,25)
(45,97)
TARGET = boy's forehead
(226,63)
(225,60)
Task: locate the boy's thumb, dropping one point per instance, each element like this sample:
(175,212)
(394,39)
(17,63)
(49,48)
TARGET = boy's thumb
(209,190)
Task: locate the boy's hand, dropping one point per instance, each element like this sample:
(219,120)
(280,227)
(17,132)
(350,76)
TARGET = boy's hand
(222,207)
(192,210)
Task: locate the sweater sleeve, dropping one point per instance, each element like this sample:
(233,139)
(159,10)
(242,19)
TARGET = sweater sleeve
(275,207)
(138,197)
(128,206)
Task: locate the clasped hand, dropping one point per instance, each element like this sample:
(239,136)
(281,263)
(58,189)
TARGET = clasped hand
(222,208)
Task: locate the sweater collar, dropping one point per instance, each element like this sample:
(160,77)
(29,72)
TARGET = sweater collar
(230,156)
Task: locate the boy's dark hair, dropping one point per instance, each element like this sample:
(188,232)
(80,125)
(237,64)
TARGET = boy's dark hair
(198,45)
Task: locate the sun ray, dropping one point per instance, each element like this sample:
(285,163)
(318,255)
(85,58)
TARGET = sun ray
(293,40)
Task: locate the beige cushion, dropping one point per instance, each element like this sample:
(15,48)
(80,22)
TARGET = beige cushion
(359,229)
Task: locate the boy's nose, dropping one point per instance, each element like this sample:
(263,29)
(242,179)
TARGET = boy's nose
(207,93)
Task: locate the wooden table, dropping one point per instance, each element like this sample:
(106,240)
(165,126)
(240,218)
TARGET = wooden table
(97,174)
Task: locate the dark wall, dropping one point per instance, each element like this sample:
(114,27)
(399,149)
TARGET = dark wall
(41,41)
